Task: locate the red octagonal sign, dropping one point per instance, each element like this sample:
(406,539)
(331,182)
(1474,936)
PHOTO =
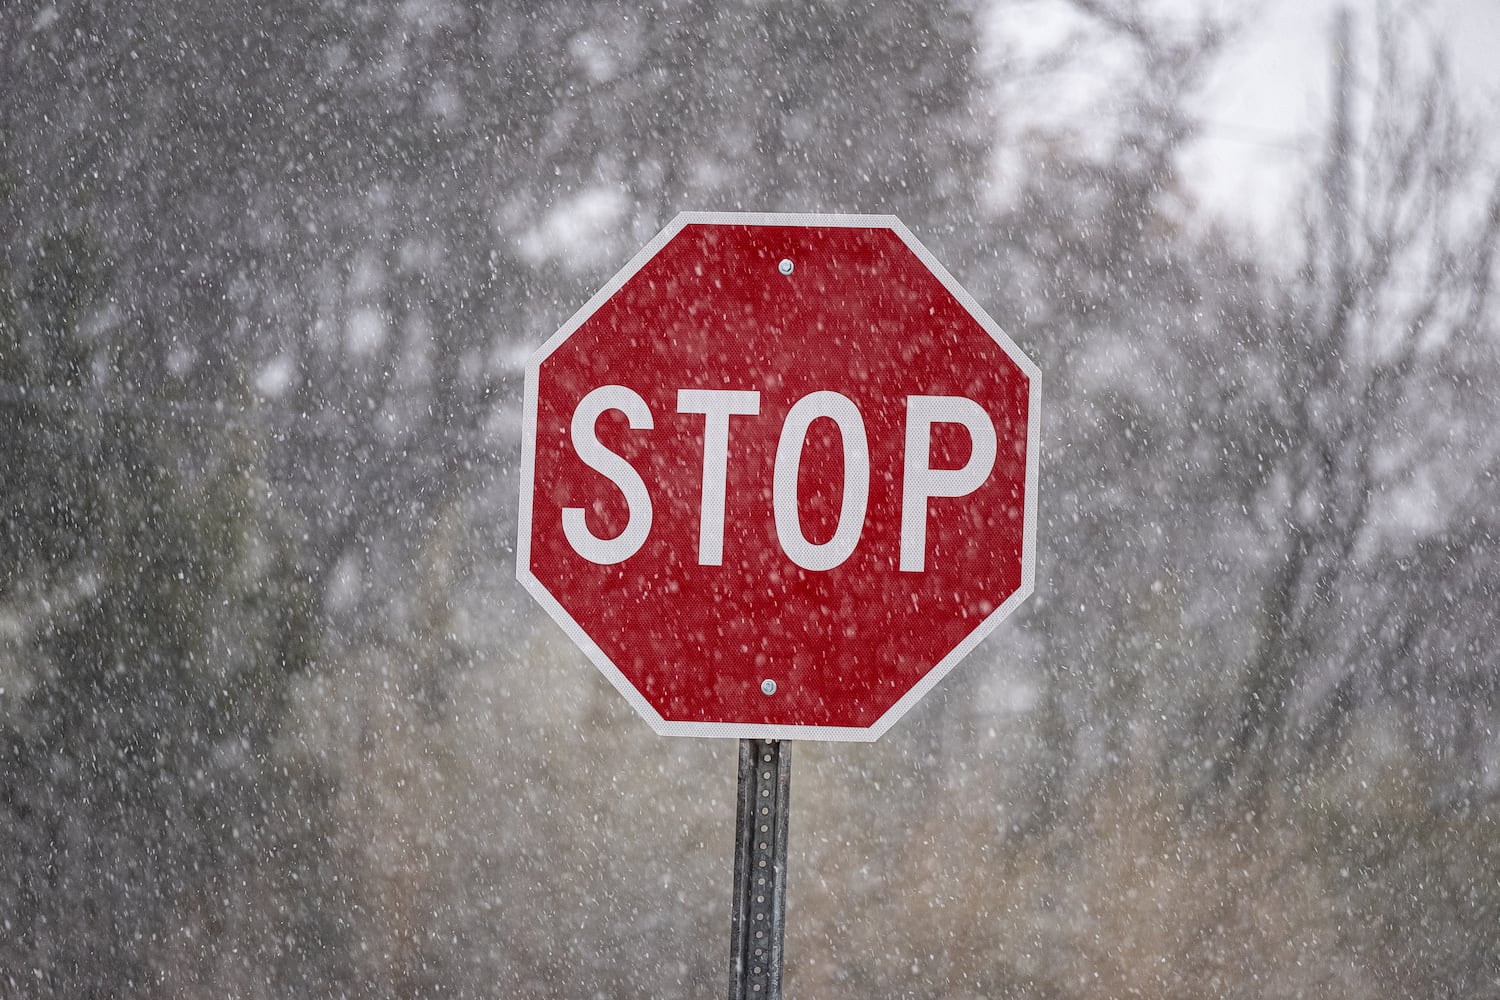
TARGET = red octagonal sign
(779,476)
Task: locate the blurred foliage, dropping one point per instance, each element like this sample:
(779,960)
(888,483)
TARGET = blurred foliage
(149,642)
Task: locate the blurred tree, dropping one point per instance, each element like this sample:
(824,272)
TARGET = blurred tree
(149,643)
(1246,442)
(1381,364)
(1131,310)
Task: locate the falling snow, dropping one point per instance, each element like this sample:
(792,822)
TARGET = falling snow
(276,718)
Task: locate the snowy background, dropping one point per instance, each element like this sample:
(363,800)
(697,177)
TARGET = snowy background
(277,721)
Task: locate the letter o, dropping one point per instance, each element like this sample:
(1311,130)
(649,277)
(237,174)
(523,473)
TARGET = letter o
(842,411)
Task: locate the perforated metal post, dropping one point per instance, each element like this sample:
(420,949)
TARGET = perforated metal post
(758,920)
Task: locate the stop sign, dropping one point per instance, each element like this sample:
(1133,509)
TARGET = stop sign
(779,476)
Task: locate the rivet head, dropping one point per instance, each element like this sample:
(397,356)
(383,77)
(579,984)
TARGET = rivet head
(785,267)
(768,686)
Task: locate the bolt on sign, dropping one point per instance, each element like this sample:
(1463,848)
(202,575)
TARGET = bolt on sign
(779,476)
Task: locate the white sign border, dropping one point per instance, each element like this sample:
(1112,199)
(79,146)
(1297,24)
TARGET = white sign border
(726,730)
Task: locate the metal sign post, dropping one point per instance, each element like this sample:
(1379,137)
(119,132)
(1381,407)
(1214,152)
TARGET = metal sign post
(758,918)
(778,476)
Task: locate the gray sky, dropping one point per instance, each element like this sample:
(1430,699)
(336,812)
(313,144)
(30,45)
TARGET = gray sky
(1262,108)
(1265,104)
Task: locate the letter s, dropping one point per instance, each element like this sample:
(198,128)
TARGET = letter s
(607,551)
